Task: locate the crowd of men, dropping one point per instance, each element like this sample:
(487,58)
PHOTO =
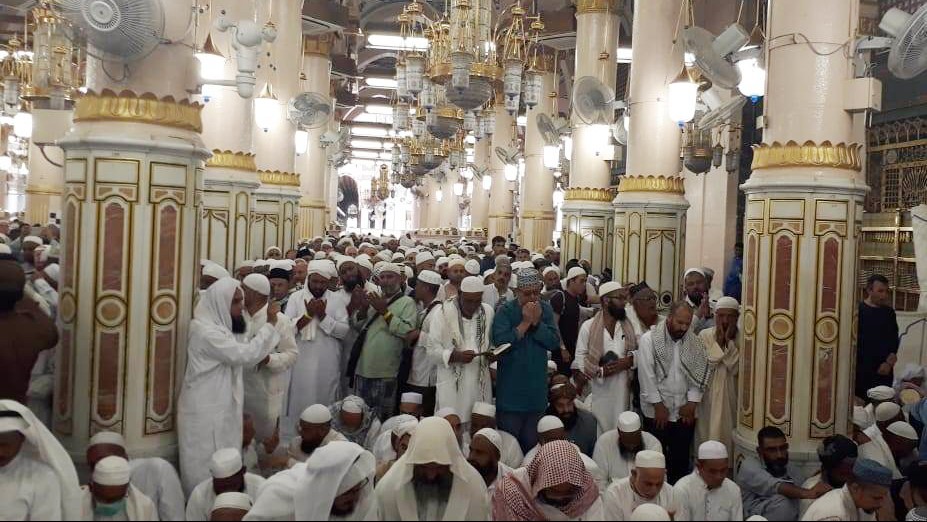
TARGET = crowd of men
(362,378)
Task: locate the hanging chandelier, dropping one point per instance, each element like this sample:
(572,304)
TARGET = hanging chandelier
(54,68)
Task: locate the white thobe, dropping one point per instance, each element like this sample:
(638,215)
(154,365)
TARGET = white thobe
(836,504)
(595,512)
(249,457)
(199,507)
(621,500)
(609,458)
(879,451)
(610,396)
(341,299)
(512,455)
(295,450)
(29,490)
(42,386)
(138,507)
(316,378)
(503,470)
(424,371)
(492,297)
(266,385)
(211,405)
(601,481)
(460,386)
(697,502)
(157,479)
(674,391)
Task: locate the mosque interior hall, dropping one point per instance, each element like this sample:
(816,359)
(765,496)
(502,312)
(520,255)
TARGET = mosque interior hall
(778,145)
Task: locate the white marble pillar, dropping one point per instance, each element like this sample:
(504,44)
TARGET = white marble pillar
(45,182)
(133,167)
(801,235)
(587,213)
(449,214)
(313,166)
(479,202)
(650,209)
(537,218)
(501,197)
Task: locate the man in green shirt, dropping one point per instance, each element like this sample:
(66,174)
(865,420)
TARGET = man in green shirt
(390,316)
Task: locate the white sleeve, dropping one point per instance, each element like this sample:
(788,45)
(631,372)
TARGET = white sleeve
(336,323)
(230,351)
(287,351)
(435,342)
(648,380)
(582,348)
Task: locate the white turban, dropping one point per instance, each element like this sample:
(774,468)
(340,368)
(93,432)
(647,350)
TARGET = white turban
(423,257)
(108,438)
(112,471)
(215,271)
(903,430)
(232,500)
(53,271)
(225,463)
(411,398)
(32,239)
(549,423)
(712,450)
(316,414)
(323,268)
(629,422)
(551,269)
(727,303)
(881,393)
(444,413)
(484,409)
(430,277)
(257,282)
(492,436)
(886,411)
(472,267)
(472,285)
(650,459)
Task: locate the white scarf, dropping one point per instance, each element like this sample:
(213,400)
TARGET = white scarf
(453,321)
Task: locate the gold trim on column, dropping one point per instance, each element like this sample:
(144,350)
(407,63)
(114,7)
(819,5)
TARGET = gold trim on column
(43,190)
(320,45)
(232,160)
(541,215)
(277,177)
(596,6)
(502,216)
(810,154)
(145,108)
(668,184)
(321,205)
(604,195)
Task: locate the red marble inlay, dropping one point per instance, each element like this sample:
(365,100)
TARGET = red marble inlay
(747,381)
(751,272)
(779,367)
(167,248)
(108,374)
(63,388)
(162,375)
(783,282)
(829,280)
(113,246)
(70,238)
(825,386)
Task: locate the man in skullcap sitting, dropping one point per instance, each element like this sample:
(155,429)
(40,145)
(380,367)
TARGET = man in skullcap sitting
(111,496)
(646,485)
(859,499)
(707,493)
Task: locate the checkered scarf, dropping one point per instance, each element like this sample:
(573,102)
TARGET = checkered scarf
(693,357)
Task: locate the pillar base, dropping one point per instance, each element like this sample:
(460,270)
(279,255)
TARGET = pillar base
(537,229)
(274,218)
(225,216)
(501,225)
(588,231)
(313,217)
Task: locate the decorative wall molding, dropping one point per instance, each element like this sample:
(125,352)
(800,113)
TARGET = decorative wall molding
(146,108)
(809,154)
(232,160)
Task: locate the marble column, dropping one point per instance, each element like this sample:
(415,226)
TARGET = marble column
(231,174)
(501,197)
(133,168)
(587,213)
(45,182)
(433,213)
(449,209)
(537,218)
(274,147)
(801,234)
(479,202)
(313,165)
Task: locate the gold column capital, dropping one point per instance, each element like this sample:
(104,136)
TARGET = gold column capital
(596,6)
(807,155)
(232,160)
(667,184)
(602,195)
(127,106)
(320,44)
(277,177)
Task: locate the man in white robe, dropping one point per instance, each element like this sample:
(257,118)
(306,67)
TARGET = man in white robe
(615,449)
(352,418)
(604,356)
(211,404)
(707,493)
(321,322)
(265,384)
(315,430)
(432,480)
(458,336)
(859,499)
(155,478)
(110,495)
(485,454)
(336,483)
(37,477)
(228,475)
(484,416)
(717,410)
(646,485)
(384,449)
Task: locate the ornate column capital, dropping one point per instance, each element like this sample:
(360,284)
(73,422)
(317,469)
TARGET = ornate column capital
(667,184)
(808,155)
(320,45)
(601,195)
(596,6)
(277,177)
(232,160)
(145,108)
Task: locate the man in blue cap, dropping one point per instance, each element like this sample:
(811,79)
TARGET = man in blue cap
(858,499)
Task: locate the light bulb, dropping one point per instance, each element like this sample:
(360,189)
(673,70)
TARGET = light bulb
(551,156)
(22,125)
(753,79)
(301,139)
(568,147)
(458,189)
(439,195)
(265,112)
(511,172)
(487,182)
(683,94)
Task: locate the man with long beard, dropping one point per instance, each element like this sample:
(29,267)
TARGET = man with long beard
(615,450)
(719,404)
(581,426)
(485,453)
(696,287)
(315,430)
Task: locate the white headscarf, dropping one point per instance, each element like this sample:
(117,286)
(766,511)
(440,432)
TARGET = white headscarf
(45,447)
(332,470)
(212,312)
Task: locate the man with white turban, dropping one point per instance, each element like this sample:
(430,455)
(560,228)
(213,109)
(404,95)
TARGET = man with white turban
(156,478)
(555,486)
(457,338)
(707,493)
(716,412)
(211,272)
(336,483)
(211,405)
(315,430)
(484,416)
(111,496)
(391,445)
(433,480)
(615,449)
(456,272)
(228,476)
(34,469)
(646,485)
(321,322)
(485,452)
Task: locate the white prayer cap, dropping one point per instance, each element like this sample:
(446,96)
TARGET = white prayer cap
(484,409)
(551,269)
(492,436)
(5,249)
(353,404)
(108,438)
(472,267)
(388,267)
(861,418)
(727,303)
(472,285)
(712,450)
(53,271)
(489,272)
(345,241)
(385,255)
(756,518)
(214,270)
(225,463)
(551,366)
(629,422)
(446,412)
(407,271)
(316,414)
(881,393)
(440,253)
(32,239)
(364,263)
(609,287)
(398,257)
(411,398)
(233,500)
(321,267)
(318,256)
(646,512)
(430,277)
(457,261)
(247,263)
(650,459)
(549,423)
(423,257)
(112,471)
(406,427)
(535,257)
(576,271)
(693,271)
(886,411)
(903,429)
(257,282)
(442,261)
